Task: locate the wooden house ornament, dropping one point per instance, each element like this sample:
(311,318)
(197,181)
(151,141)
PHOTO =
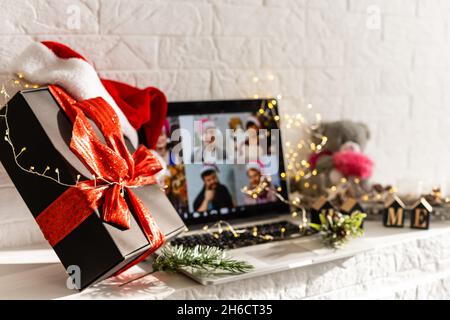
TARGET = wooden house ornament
(394,212)
(321,205)
(420,214)
(351,205)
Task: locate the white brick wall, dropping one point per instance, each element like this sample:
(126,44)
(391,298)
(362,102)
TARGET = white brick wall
(395,77)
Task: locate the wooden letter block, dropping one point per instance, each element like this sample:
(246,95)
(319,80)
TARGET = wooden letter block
(394,213)
(420,215)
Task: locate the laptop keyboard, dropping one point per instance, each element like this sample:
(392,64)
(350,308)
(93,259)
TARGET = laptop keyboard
(243,237)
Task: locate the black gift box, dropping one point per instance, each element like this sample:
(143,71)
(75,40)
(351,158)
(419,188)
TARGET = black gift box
(99,250)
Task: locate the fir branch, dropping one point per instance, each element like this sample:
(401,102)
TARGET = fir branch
(173,258)
(337,229)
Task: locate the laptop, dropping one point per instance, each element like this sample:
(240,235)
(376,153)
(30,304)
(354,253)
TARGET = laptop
(225,178)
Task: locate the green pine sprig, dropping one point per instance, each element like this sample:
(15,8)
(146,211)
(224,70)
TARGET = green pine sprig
(173,258)
(337,229)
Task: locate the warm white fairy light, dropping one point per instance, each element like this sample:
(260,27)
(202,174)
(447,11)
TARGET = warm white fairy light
(32,169)
(298,168)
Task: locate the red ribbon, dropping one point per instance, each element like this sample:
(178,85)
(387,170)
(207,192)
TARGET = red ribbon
(117,172)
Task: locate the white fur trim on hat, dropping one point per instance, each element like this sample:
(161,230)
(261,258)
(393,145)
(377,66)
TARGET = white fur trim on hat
(254,120)
(39,65)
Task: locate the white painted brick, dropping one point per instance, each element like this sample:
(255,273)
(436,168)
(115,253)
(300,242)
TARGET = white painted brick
(236,84)
(328,24)
(396,81)
(123,76)
(147,79)
(176,84)
(49,17)
(377,53)
(324,81)
(239,52)
(377,107)
(188,53)
(396,7)
(261,83)
(294,52)
(432,56)
(10,48)
(283,52)
(113,52)
(430,82)
(335,5)
(433,8)
(244,2)
(414,30)
(361,81)
(331,108)
(428,105)
(318,4)
(182,85)
(324,53)
(258,21)
(155,17)
(286,3)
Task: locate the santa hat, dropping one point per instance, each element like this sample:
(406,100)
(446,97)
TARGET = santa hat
(205,124)
(252,120)
(54,63)
(210,167)
(255,165)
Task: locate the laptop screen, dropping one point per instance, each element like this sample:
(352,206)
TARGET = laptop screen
(224,160)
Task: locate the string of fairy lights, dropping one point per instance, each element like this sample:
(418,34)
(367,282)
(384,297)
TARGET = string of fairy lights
(296,153)
(20,83)
(297,165)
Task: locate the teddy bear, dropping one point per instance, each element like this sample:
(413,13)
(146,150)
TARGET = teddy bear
(340,159)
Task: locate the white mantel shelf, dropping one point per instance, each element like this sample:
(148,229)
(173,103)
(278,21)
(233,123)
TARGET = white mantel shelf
(384,264)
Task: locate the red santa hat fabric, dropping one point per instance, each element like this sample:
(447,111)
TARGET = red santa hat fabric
(54,63)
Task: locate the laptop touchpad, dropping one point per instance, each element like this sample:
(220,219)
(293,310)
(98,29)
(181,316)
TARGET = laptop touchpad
(279,253)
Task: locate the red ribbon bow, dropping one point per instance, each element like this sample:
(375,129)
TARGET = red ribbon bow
(117,172)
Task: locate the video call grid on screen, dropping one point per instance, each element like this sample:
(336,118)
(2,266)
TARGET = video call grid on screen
(207,186)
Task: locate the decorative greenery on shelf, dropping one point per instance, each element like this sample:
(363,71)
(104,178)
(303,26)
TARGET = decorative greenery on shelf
(173,258)
(337,229)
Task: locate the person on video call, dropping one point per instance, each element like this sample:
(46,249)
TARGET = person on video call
(255,180)
(251,148)
(213,195)
(209,151)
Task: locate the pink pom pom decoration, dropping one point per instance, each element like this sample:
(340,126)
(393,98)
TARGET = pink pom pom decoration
(354,164)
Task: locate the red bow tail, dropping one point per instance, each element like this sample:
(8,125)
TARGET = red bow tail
(116,173)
